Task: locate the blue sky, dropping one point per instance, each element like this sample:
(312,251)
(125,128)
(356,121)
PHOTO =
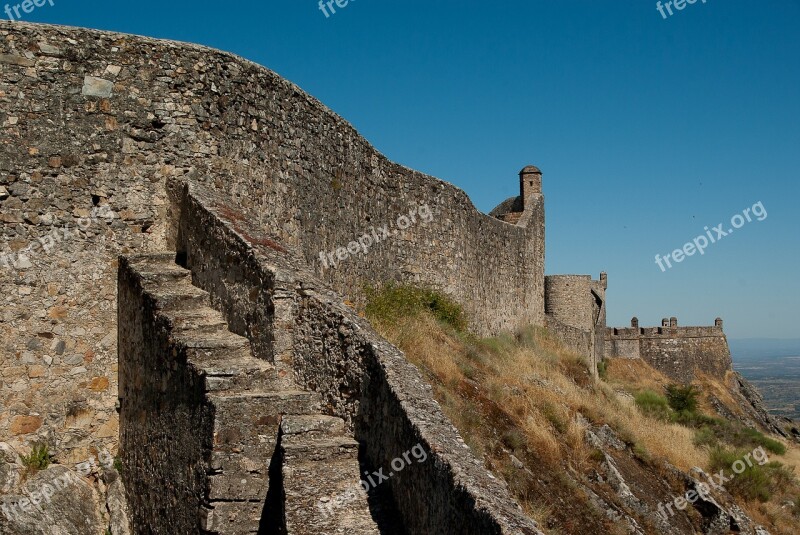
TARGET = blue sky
(647,130)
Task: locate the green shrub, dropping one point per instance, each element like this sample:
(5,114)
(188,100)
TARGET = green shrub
(705,437)
(550,412)
(715,431)
(393,302)
(757,438)
(754,483)
(598,456)
(514,439)
(502,344)
(39,458)
(118,464)
(653,405)
(602,369)
(641,453)
(694,419)
(682,398)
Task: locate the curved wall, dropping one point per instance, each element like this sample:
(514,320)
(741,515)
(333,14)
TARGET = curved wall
(568,300)
(92,124)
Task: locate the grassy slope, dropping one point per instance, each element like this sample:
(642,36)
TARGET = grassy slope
(524,404)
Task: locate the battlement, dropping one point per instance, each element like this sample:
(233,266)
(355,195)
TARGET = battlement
(677,351)
(528,208)
(669,329)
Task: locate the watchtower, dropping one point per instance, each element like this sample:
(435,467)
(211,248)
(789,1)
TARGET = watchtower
(530,185)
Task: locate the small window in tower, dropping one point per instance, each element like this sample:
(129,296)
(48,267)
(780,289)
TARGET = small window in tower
(531,183)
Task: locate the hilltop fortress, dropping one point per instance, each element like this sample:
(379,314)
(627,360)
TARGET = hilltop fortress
(185,319)
(678,352)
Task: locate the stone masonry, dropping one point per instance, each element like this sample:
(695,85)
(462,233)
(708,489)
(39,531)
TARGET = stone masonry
(169,219)
(92,124)
(260,440)
(575,308)
(678,352)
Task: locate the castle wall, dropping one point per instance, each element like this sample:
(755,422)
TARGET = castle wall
(678,352)
(575,312)
(164,408)
(576,340)
(386,403)
(95,120)
(567,300)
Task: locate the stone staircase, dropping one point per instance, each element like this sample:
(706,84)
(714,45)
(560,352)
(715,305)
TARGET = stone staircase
(256,424)
(321,478)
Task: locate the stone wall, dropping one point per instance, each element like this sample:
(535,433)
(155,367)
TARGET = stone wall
(576,340)
(575,308)
(91,126)
(387,405)
(678,352)
(164,407)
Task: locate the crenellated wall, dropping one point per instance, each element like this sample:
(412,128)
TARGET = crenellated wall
(678,352)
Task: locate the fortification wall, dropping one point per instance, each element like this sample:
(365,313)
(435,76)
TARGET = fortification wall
(567,300)
(576,340)
(329,349)
(575,311)
(95,120)
(166,409)
(678,352)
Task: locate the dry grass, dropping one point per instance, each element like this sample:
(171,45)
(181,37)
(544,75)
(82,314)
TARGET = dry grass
(541,388)
(720,390)
(634,375)
(526,395)
(781,519)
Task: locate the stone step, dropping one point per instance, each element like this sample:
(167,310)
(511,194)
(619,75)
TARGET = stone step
(312,426)
(241,375)
(246,428)
(198,320)
(221,339)
(213,357)
(165,258)
(319,448)
(231,517)
(244,478)
(163,274)
(247,424)
(177,297)
(325,497)
(259,405)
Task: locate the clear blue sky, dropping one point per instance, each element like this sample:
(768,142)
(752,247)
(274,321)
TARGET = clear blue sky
(647,129)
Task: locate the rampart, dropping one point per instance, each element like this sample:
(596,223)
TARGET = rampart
(92,125)
(98,134)
(575,311)
(676,351)
(318,344)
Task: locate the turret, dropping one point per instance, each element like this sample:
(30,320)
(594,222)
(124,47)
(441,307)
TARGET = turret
(530,185)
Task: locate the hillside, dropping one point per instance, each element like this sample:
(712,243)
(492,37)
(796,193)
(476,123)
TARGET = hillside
(580,455)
